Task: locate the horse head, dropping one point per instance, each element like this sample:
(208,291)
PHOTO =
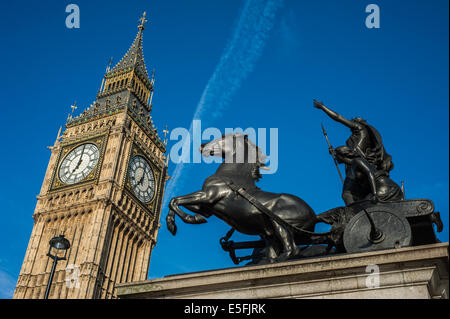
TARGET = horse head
(235,148)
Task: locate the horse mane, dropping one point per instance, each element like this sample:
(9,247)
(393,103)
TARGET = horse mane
(253,153)
(252,148)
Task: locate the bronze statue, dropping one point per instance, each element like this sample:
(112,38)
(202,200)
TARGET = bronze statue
(376,215)
(367,164)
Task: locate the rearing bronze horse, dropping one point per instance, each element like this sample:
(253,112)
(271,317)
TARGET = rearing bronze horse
(242,162)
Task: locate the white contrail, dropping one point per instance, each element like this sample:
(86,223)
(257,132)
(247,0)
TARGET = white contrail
(237,61)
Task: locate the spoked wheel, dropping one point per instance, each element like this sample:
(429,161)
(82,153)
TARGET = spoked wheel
(376,228)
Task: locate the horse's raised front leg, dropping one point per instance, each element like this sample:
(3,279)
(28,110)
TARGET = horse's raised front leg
(194,200)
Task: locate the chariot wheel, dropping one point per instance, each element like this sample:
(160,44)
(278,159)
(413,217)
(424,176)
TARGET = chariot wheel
(376,228)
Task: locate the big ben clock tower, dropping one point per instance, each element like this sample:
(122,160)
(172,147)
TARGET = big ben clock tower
(103,191)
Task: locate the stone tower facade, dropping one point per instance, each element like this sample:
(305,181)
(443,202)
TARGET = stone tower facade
(103,190)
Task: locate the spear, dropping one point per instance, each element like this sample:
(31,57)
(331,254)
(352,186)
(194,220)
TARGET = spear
(330,148)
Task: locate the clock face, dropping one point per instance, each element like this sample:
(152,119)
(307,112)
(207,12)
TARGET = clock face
(79,163)
(142,179)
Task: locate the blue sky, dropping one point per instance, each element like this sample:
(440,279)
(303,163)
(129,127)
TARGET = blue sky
(396,77)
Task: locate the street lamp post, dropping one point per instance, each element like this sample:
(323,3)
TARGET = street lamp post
(56,243)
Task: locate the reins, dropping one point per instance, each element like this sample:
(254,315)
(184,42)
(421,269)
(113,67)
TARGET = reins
(252,200)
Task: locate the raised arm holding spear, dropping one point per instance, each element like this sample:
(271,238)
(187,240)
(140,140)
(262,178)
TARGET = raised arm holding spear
(330,148)
(367,163)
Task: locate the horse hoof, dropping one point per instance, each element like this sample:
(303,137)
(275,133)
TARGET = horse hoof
(198,219)
(282,257)
(172,228)
(289,255)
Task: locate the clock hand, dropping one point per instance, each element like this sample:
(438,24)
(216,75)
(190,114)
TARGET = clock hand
(80,160)
(141,180)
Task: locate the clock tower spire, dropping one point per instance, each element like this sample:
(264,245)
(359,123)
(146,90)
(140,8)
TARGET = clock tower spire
(103,190)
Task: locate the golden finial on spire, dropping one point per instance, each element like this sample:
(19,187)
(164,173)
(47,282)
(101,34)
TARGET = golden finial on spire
(143,21)
(165,131)
(153,77)
(108,68)
(73,107)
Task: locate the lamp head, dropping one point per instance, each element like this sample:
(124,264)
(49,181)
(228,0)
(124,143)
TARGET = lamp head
(60,243)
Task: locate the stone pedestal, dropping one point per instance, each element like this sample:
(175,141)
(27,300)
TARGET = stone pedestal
(419,272)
